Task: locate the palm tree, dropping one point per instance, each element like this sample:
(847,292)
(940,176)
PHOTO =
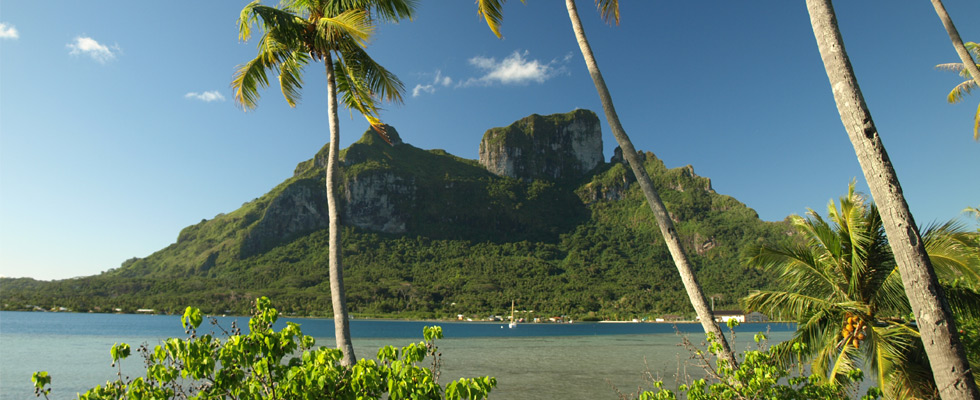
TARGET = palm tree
(928,301)
(335,32)
(840,284)
(969,67)
(609,9)
(975,211)
(960,91)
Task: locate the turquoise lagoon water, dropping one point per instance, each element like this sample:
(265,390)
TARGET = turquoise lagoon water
(532,361)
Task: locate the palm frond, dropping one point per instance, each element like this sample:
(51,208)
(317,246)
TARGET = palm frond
(272,56)
(965,73)
(609,10)
(383,10)
(380,82)
(912,378)
(285,27)
(973,210)
(889,298)
(854,223)
(883,365)
(845,360)
(812,333)
(976,124)
(795,267)
(246,19)
(291,76)
(888,347)
(393,10)
(491,11)
(961,91)
(974,49)
(356,95)
(353,91)
(829,249)
(299,7)
(247,81)
(795,306)
(880,264)
(964,302)
(954,67)
(821,239)
(953,252)
(352,24)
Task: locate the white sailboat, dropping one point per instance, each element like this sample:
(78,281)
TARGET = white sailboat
(513,322)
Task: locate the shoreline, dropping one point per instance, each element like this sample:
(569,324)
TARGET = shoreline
(377,318)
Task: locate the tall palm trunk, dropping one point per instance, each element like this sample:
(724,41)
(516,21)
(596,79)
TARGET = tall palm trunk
(694,291)
(968,62)
(935,320)
(341,321)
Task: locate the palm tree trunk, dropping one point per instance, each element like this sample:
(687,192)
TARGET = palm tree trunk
(653,198)
(968,62)
(341,321)
(933,316)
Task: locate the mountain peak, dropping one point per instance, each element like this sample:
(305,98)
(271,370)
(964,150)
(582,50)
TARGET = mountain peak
(373,137)
(552,147)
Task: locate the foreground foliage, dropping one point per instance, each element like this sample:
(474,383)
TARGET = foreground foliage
(760,374)
(265,364)
(841,285)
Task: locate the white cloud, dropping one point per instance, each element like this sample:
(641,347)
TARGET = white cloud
(8,31)
(430,88)
(98,51)
(209,96)
(514,70)
(420,88)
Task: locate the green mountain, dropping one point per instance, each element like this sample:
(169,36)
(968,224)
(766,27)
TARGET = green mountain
(429,234)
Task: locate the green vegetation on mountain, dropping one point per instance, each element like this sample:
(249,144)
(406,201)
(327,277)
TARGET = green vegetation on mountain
(452,239)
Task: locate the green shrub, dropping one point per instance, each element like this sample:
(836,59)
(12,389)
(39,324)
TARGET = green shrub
(760,375)
(265,364)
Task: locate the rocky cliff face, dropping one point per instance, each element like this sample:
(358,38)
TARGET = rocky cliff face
(372,199)
(554,147)
(398,188)
(300,208)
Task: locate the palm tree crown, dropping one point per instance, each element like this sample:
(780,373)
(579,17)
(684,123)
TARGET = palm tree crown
(841,285)
(960,91)
(332,31)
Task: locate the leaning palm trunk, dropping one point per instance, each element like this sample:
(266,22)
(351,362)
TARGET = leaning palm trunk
(933,316)
(968,62)
(340,319)
(698,300)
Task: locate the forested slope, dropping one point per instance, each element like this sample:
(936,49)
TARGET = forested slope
(429,234)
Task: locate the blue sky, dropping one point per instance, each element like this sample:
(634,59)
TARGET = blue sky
(118,128)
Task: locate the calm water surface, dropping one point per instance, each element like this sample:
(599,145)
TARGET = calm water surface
(532,361)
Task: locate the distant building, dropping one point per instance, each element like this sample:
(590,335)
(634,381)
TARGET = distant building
(725,315)
(756,316)
(669,318)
